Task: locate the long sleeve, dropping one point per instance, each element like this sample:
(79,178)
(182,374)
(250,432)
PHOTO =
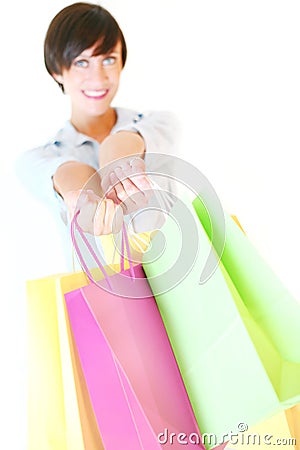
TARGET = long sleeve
(35,169)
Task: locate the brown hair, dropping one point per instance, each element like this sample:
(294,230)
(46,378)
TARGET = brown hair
(76,28)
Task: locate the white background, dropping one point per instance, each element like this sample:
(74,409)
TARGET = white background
(229,69)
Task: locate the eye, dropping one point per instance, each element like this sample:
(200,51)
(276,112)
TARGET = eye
(109,61)
(81,63)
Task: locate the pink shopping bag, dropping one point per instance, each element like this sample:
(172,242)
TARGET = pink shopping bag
(120,419)
(120,328)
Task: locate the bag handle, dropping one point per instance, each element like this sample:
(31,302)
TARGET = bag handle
(125,243)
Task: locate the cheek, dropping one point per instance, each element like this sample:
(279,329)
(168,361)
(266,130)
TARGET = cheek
(71,83)
(115,77)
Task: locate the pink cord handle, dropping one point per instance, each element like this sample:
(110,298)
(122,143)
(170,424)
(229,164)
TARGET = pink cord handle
(75,226)
(126,241)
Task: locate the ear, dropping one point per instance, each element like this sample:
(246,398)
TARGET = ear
(58,78)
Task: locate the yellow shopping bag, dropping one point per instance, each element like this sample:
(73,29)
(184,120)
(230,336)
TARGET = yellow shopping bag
(60,416)
(293,419)
(275,431)
(139,243)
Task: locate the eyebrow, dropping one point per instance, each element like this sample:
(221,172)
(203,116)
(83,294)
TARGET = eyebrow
(83,55)
(109,53)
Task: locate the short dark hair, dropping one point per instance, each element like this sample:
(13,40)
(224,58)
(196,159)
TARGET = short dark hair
(77,27)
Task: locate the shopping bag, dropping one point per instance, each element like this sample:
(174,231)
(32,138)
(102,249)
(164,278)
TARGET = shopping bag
(271,432)
(270,304)
(60,415)
(293,420)
(124,318)
(110,243)
(217,339)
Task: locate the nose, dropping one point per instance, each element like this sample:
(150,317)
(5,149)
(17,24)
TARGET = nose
(98,73)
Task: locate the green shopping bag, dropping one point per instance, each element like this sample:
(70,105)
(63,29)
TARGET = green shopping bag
(268,301)
(236,337)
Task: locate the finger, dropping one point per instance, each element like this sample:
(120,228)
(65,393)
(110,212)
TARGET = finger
(71,200)
(106,183)
(119,174)
(129,188)
(126,189)
(113,218)
(108,217)
(87,205)
(118,218)
(139,181)
(119,186)
(134,194)
(99,217)
(126,201)
(143,184)
(137,165)
(113,195)
(136,173)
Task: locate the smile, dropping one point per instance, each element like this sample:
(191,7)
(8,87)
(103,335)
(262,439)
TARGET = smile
(98,94)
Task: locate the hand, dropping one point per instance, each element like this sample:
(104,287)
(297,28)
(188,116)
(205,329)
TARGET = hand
(97,216)
(127,184)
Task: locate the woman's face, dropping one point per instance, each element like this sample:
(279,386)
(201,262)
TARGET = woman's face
(92,81)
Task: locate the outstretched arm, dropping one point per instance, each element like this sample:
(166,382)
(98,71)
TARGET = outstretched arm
(123,178)
(120,145)
(73,176)
(80,187)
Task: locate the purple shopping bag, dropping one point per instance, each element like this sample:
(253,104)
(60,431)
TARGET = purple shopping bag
(120,324)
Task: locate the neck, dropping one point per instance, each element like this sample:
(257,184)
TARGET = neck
(98,127)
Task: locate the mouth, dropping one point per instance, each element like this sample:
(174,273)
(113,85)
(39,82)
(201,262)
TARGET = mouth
(95,94)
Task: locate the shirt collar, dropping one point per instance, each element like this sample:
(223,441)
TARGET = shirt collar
(69,134)
(73,137)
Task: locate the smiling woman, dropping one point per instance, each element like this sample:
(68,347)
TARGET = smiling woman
(85,52)
(92,82)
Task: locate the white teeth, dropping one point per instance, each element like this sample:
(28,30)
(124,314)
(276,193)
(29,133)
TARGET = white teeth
(95,93)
